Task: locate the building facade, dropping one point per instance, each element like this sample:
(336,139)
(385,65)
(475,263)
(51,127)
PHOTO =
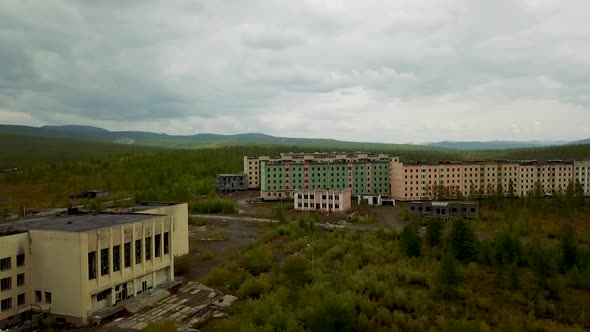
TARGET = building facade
(178,212)
(279,177)
(444,209)
(582,175)
(424,181)
(323,200)
(232,182)
(77,267)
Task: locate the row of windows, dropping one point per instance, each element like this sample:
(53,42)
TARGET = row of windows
(532,169)
(6,263)
(324,206)
(6,283)
(116,254)
(311,196)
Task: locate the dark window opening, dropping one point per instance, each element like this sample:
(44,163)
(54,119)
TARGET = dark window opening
(157,245)
(148,249)
(20,260)
(166,243)
(117,258)
(91,265)
(137,251)
(127,254)
(104,261)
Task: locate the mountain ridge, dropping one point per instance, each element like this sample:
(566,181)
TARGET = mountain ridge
(163,139)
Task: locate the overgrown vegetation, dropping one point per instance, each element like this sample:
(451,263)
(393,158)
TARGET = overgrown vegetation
(298,277)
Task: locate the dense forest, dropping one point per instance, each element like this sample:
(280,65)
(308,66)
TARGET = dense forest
(52,169)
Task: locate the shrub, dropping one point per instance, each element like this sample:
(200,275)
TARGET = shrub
(257,260)
(254,287)
(218,276)
(213,205)
(296,270)
(580,279)
(448,278)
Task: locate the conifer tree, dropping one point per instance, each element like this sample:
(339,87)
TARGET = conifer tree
(448,278)
(462,241)
(410,241)
(433,232)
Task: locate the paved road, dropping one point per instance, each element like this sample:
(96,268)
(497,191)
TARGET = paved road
(268,220)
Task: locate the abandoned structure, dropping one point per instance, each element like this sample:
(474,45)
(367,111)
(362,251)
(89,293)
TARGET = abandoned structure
(80,267)
(444,209)
(92,193)
(232,182)
(323,200)
(278,177)
(375,200)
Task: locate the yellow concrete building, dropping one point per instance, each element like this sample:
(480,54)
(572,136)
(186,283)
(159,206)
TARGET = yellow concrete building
(582,175)
(76,267)
(178,212)
(415,181)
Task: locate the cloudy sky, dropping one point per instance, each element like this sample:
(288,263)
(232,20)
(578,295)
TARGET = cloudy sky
(383,71)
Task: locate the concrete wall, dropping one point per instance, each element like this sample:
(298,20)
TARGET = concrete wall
(11,246)
(56,260)
(179,214)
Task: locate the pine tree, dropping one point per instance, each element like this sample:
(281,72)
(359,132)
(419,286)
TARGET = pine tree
(462,241)
(410,241)
(511,190)
(568,247)
(433,232)
(448,278)
(578,193)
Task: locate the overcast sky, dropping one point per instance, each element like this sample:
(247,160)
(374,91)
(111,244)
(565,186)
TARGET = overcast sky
(382,71)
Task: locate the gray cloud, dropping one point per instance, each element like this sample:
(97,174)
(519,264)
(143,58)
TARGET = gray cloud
(393,71)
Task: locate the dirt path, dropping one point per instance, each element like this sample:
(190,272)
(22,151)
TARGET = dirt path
(211,244)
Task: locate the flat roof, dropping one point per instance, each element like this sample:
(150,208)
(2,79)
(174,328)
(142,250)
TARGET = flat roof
(75,223)
(231,174)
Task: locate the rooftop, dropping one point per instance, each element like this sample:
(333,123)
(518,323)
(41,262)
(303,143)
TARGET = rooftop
(73,223)
(232,174)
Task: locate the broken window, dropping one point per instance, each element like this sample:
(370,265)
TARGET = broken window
(5,264)
(20,299)
(166,243)
(20,260)
(157,244)
(6,304)
(104,261)
(20,279)
(91,265)
(38,296)
(117,258)
(127,254)
(47,297)
(6,284)
(137,251)
(148,248)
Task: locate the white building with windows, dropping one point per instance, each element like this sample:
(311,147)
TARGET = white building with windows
(76,267)
(582,174)
(323,200)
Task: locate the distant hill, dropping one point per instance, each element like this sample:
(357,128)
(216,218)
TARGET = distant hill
(494,145)
(195,141)
(29,150)
(584,141)
(208,140)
